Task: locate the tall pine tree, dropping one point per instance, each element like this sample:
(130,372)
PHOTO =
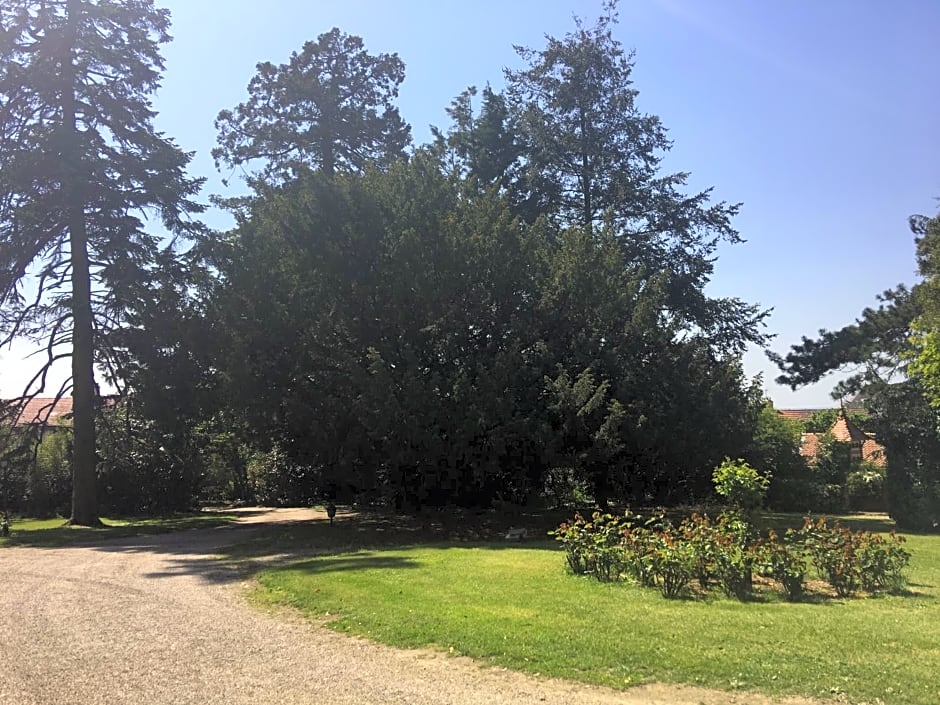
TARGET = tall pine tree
(591,158)
(81,167)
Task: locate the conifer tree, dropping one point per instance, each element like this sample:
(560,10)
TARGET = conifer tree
(81,168)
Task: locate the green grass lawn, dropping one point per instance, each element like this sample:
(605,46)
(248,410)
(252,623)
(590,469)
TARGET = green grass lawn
(517,607)
(54,532)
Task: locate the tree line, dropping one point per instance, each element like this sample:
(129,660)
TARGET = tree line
(516,308)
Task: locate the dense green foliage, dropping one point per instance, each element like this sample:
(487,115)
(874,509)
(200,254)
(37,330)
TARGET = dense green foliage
(823,419)
(448,328)
(742,487)
(329,108)
(35,477)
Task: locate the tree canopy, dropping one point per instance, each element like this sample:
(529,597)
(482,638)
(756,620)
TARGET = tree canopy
(330,107)
(450,327)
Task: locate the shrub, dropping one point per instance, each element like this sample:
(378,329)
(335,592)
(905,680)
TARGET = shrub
(276,479)
(832,498)
(793,494)
(735,556)
(865,490)
(671,562)
(49,487)
(594,546)
(701,535)
(606,534)
(656,554)
(785,562)
(741,485)
(833,551)
(572,537)
(881,562)
(638,545)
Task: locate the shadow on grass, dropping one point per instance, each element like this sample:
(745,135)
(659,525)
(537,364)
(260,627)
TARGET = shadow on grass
(353,532)
(875,523)
(65,536)
(352,562)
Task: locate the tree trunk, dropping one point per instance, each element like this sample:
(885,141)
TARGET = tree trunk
(84,459)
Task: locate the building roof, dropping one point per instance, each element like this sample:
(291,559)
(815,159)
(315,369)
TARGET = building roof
(809,446)
(873,452)
(798,414)
(846,431)
(38,411)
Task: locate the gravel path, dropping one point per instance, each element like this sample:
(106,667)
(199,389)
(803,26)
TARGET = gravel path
(160,620)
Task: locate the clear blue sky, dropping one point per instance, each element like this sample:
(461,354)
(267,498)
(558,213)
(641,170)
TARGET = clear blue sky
(821,117)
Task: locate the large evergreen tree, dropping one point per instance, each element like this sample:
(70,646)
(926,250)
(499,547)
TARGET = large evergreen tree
(463,326)
(81,166)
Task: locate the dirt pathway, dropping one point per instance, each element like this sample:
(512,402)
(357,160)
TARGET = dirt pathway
(160,620)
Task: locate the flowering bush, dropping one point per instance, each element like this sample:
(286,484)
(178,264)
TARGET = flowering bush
(702,536)
(655,553)
(594,546)
(736,555)
(572,535)
(671,562)
(785,561)
(882,562)
(833,551)
(638,545)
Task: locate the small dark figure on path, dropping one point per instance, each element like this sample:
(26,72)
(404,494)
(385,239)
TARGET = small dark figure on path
(331,512)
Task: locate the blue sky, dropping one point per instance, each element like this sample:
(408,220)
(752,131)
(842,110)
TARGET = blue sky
(820,117)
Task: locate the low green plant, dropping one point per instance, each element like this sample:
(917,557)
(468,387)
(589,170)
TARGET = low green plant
(833,552)
(594,547)
(572,537)
(671,562)
(655,553)
(785,561)
(638,545)
(701,536)
(606,535)
(735,556)
(640,539)
(882,562)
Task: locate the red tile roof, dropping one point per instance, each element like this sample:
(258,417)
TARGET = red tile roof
(39,411)
(873,452)
(847,432)
(798,414)
(809,446)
